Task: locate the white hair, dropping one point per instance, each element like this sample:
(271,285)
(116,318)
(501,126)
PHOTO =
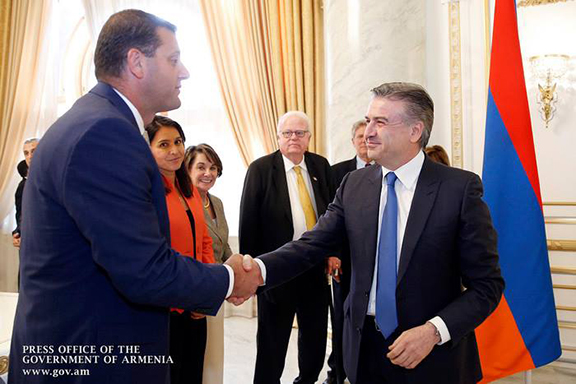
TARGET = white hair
(31,140)
(301,115)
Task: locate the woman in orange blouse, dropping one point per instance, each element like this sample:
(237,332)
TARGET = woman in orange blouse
(189,236)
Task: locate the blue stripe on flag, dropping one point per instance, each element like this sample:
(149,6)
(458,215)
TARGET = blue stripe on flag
(518,219)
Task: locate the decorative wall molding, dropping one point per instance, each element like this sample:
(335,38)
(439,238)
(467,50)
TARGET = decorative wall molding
(560,220)
(563,270)
(456,109)
(528,3)
(560,203)
(562,245)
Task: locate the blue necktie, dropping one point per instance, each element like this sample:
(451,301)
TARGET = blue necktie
(386,317)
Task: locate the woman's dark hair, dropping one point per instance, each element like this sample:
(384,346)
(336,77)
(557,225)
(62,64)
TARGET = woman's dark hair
(182,176)
(207,151)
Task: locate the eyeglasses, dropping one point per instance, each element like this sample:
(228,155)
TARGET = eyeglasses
(288,134)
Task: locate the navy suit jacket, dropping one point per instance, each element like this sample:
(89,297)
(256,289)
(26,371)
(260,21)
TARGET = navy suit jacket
(97,268)
(449,242)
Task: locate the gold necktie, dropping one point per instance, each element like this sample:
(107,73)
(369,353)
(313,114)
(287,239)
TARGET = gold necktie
(305,201)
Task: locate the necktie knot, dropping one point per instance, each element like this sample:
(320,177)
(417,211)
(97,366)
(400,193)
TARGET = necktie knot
(391,179)
(298,170)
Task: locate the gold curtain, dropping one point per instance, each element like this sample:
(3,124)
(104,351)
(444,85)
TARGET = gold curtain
(269,60)
(24,23)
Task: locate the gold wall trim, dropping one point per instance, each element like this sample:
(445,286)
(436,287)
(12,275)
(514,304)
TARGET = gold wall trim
(567,324)
(528,3)
(565,308)
(568,348)
(3,364)
(560,203)
(560,220)
(563,270)
(563,286)
(456,107)
(561,245)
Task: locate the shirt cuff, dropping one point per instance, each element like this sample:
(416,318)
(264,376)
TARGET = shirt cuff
(442,329)
(262,269)
(231,285)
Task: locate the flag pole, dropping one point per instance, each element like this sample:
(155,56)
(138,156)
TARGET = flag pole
(528,377)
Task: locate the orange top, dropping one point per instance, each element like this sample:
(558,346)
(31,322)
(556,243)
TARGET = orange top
(181,231)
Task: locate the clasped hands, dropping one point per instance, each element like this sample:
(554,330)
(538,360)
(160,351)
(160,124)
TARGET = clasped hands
(247,278)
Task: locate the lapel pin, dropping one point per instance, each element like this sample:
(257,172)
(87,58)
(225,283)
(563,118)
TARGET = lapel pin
(314,178)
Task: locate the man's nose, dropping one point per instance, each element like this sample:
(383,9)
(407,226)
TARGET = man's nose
(184,74)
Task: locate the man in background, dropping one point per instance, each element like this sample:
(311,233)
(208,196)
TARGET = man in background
(341,286)
(99,271)
(284,194)
(28,150)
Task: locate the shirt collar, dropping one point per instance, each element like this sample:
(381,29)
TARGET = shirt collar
(288,164)
(361,163)
(409,172)
(137,116)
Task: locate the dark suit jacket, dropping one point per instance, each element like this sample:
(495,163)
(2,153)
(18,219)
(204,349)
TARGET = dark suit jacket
(340,170)
(18,203)
(449,241)
(266,218)
(99,270)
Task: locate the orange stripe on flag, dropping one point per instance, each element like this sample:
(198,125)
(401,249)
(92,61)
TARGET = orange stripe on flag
(501,347)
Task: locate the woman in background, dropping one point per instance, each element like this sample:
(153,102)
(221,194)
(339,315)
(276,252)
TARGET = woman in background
(205,167)
(438,154)
(189,236)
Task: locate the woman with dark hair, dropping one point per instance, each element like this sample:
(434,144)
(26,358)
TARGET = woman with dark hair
(205,166)
(189,236)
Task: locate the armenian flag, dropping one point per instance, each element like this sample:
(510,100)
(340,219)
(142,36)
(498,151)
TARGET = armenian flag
(523,331)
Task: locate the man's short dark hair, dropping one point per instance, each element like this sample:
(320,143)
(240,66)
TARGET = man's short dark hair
(419,105)
(123,31)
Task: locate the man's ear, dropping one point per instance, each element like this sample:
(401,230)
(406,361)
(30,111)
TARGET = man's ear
(416,131)
(135,63)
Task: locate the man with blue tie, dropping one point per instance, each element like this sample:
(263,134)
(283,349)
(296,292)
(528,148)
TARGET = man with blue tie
(424,262)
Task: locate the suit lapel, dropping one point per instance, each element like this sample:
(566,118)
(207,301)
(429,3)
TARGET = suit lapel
(211,224)
(315,179)
(422,203)
(369,213)
(281,186)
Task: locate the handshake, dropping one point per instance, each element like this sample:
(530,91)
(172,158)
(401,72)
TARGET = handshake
(247,278)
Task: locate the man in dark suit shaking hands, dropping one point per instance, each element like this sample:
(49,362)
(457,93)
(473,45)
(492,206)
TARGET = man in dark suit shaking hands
(424,262)
(97,271)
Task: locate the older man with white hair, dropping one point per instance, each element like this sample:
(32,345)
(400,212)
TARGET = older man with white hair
(284,194)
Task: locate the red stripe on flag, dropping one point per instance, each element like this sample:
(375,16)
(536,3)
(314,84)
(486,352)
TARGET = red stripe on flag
(509,88)
(500,345)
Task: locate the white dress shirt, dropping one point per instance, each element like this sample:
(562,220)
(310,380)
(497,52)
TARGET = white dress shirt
(405,186)
(140,123)
(298,217)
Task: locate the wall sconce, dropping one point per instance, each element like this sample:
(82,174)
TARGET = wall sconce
(548,68)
